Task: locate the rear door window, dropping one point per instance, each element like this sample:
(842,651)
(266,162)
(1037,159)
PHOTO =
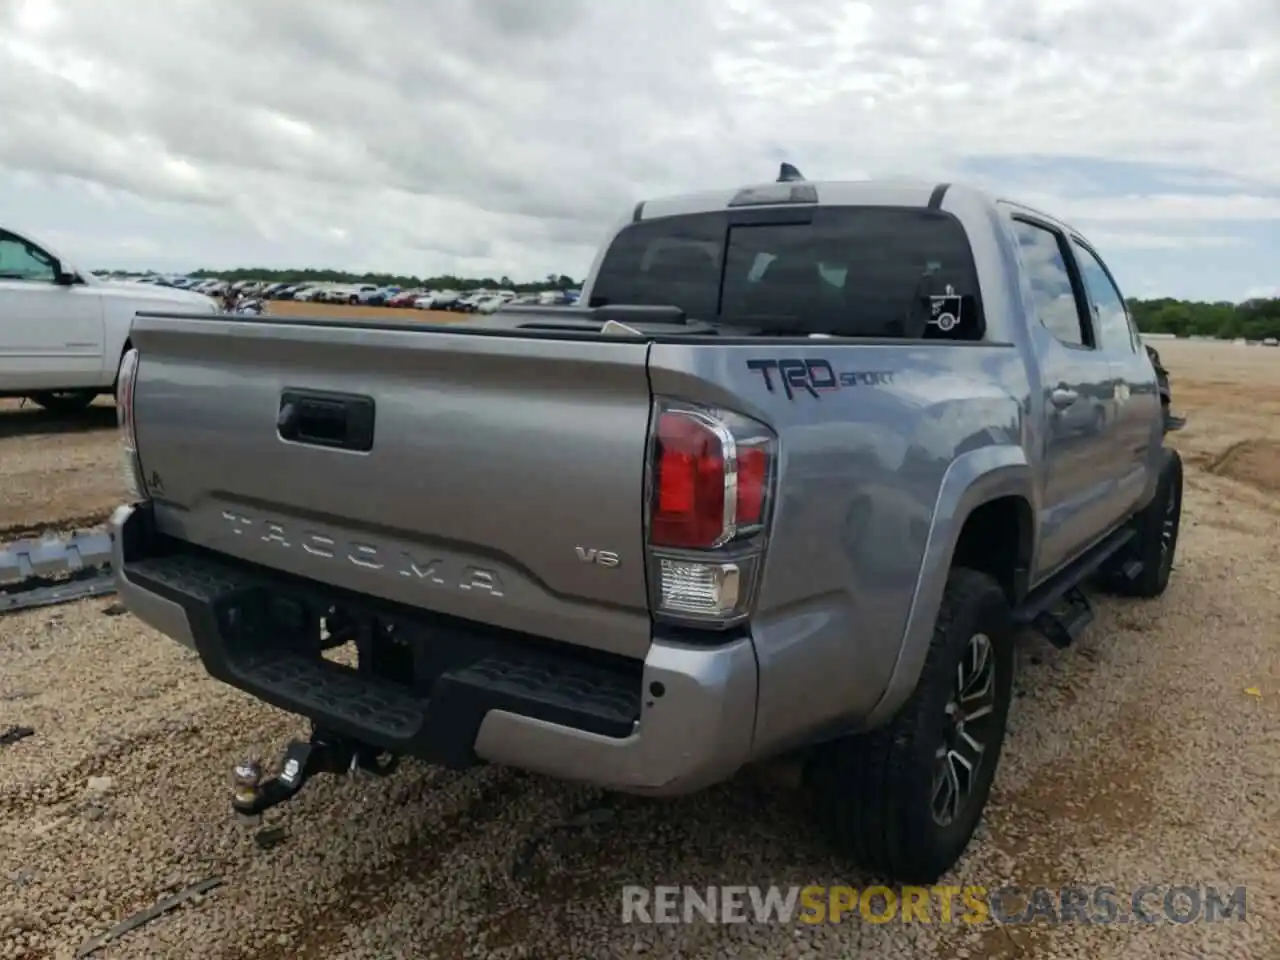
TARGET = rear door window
(1111,315)
(1045,261)
(852,271)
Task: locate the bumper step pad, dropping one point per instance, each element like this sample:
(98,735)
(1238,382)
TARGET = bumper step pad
(436,719)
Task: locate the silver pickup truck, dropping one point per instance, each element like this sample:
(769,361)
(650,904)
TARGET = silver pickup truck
(785,484)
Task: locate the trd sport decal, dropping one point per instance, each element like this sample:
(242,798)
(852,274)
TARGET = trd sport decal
(815,376)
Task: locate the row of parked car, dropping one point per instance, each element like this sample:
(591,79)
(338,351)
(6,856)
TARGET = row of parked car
(368,294)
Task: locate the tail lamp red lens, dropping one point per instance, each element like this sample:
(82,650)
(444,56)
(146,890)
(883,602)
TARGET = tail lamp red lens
(707,484)
(690,487)
(753,475)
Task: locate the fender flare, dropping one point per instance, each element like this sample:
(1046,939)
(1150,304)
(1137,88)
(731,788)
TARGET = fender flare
(972,479)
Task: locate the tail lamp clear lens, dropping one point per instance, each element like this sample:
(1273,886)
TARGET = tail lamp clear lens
(131,465)
(699,589)
(711,487)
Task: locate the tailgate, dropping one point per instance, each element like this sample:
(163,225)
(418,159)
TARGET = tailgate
(501,473)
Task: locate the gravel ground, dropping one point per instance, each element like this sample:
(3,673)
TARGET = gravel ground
(1137,757)
(56,470)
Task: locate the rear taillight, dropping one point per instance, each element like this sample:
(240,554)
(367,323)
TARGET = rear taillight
(711,478)
(131,465)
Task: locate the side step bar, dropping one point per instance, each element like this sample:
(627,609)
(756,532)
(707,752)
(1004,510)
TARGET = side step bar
(1063,625)
(1058,609)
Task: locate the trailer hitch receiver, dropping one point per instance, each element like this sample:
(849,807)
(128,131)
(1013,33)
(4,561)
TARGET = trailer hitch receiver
(303,759)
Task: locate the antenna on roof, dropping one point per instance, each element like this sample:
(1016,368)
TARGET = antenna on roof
(789,174)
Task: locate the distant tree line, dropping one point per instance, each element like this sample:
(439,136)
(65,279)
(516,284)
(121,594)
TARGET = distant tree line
(447,282)
(1253,319)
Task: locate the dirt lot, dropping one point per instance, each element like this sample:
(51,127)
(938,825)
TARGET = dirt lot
(288,308)
(56,471)
(1135,758)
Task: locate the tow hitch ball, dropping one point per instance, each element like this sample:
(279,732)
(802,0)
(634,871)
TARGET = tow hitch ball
(302,760)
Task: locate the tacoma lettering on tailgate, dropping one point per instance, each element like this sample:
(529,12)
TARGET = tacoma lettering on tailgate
(369,556)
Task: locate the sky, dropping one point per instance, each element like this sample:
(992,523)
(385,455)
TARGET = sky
(507,137)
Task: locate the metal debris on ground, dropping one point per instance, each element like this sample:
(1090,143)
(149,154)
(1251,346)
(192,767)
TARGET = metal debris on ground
(14,734)
(29,559)
(48,594)
(269,837)
(40,573)
(146,916)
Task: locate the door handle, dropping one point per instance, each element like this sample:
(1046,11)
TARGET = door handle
(1062,397)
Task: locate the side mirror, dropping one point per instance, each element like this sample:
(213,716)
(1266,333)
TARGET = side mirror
(64,277)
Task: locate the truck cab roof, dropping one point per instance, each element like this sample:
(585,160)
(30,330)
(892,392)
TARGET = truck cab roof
(892,193)
(883,192)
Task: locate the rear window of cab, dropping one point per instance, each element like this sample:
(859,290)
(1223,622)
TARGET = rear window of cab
(849,271)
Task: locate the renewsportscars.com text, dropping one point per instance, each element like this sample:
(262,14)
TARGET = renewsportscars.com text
(1148,904)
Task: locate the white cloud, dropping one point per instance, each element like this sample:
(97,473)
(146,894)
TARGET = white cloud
(1160,207)
(35,17)
(503,136)
(1126,240)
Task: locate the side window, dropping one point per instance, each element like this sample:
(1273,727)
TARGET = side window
(1111,315)
(19,260)
(1055,301)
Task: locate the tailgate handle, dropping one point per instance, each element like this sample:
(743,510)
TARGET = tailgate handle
(341,421)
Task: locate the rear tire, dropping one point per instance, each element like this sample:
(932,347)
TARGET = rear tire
(903,800)
(1155,541)
(64,401)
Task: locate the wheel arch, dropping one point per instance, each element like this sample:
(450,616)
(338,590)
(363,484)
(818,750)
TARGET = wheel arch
(984,490)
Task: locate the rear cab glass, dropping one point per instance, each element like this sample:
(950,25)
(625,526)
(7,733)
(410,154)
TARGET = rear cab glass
(871,272)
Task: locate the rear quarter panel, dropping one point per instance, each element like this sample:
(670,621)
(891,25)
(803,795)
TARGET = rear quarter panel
(874,480)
